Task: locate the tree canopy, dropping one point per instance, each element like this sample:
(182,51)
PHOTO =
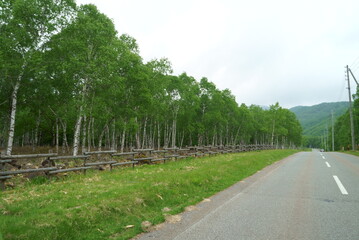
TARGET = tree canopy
(69,79)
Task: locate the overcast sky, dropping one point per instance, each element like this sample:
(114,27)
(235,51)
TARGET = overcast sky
(291,52)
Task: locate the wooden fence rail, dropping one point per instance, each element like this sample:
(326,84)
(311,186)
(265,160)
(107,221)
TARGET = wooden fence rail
(52,164)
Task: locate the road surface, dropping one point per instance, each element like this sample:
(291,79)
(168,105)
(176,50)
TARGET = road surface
(310,195)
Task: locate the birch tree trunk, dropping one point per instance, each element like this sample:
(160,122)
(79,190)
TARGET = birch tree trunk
(89,134)
(272,137)
(144,133)
(165,140)
(36,142)
(107,137)
(84,131)
(174,132)
(101,137)
(123,138)
(65,145)
(12,117)
(182,139)
(138,142)
(13,110)
(113,142)
(57,136)
(93,131)
(77,134)
(158,136)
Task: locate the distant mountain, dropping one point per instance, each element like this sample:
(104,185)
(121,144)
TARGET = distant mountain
(315,119)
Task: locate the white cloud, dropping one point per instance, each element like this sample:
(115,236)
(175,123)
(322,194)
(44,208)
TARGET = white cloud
(264,51)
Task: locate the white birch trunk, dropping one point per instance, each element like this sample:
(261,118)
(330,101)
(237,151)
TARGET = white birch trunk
(101,137)
(77,134)
(174,133)
(93,131)
(89,134)
(144,133)
(12,117)
(123,138)
(158,136)
(13,110)
(272,137)
(84,130)
(138,142)
(113,142)
(107,137)
(57,135)
(65,145)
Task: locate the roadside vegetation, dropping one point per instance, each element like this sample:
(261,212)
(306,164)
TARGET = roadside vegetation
(355,153)
(115,205)
(342,132)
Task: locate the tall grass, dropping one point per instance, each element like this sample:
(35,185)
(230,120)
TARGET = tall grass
(112,205)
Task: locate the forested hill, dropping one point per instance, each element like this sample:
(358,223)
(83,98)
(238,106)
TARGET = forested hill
(314,119)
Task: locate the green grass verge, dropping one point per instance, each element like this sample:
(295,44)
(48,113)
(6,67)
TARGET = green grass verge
(99,205)
(355,153)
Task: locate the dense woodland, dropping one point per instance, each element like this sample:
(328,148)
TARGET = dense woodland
(70,81)
(342,133)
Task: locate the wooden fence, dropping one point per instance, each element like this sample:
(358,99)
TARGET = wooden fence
(52,164)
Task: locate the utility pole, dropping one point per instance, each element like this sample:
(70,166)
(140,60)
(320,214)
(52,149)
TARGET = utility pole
(332,131)
(327,139)
(350,110)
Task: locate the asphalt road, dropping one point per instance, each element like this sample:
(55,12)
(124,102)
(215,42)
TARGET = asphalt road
(310,195)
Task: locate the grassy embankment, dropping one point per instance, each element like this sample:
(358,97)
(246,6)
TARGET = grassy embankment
(355,153)
(112,205)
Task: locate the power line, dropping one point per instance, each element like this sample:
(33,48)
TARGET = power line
(356,61)
(350,110)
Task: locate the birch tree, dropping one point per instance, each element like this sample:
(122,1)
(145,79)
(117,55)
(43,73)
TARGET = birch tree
(86,46)
(22,34)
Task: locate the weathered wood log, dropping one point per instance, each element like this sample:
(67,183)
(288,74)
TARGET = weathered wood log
(28,156)
(6,161)
(143,159)
(143,150)
(124,163)
(124,154)
(159,159)
(27,171)
(69,157)
(160,151)
(100,163)
(5,177)
(69,170)
(100,152)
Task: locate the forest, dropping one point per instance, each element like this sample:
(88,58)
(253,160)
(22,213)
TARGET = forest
(70,81)
(342,131)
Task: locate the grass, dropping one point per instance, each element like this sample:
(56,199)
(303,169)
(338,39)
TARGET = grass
(112,205)
(355,153)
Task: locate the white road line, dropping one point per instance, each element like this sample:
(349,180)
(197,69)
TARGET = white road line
(323,157)
(340,185)
(328,165)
